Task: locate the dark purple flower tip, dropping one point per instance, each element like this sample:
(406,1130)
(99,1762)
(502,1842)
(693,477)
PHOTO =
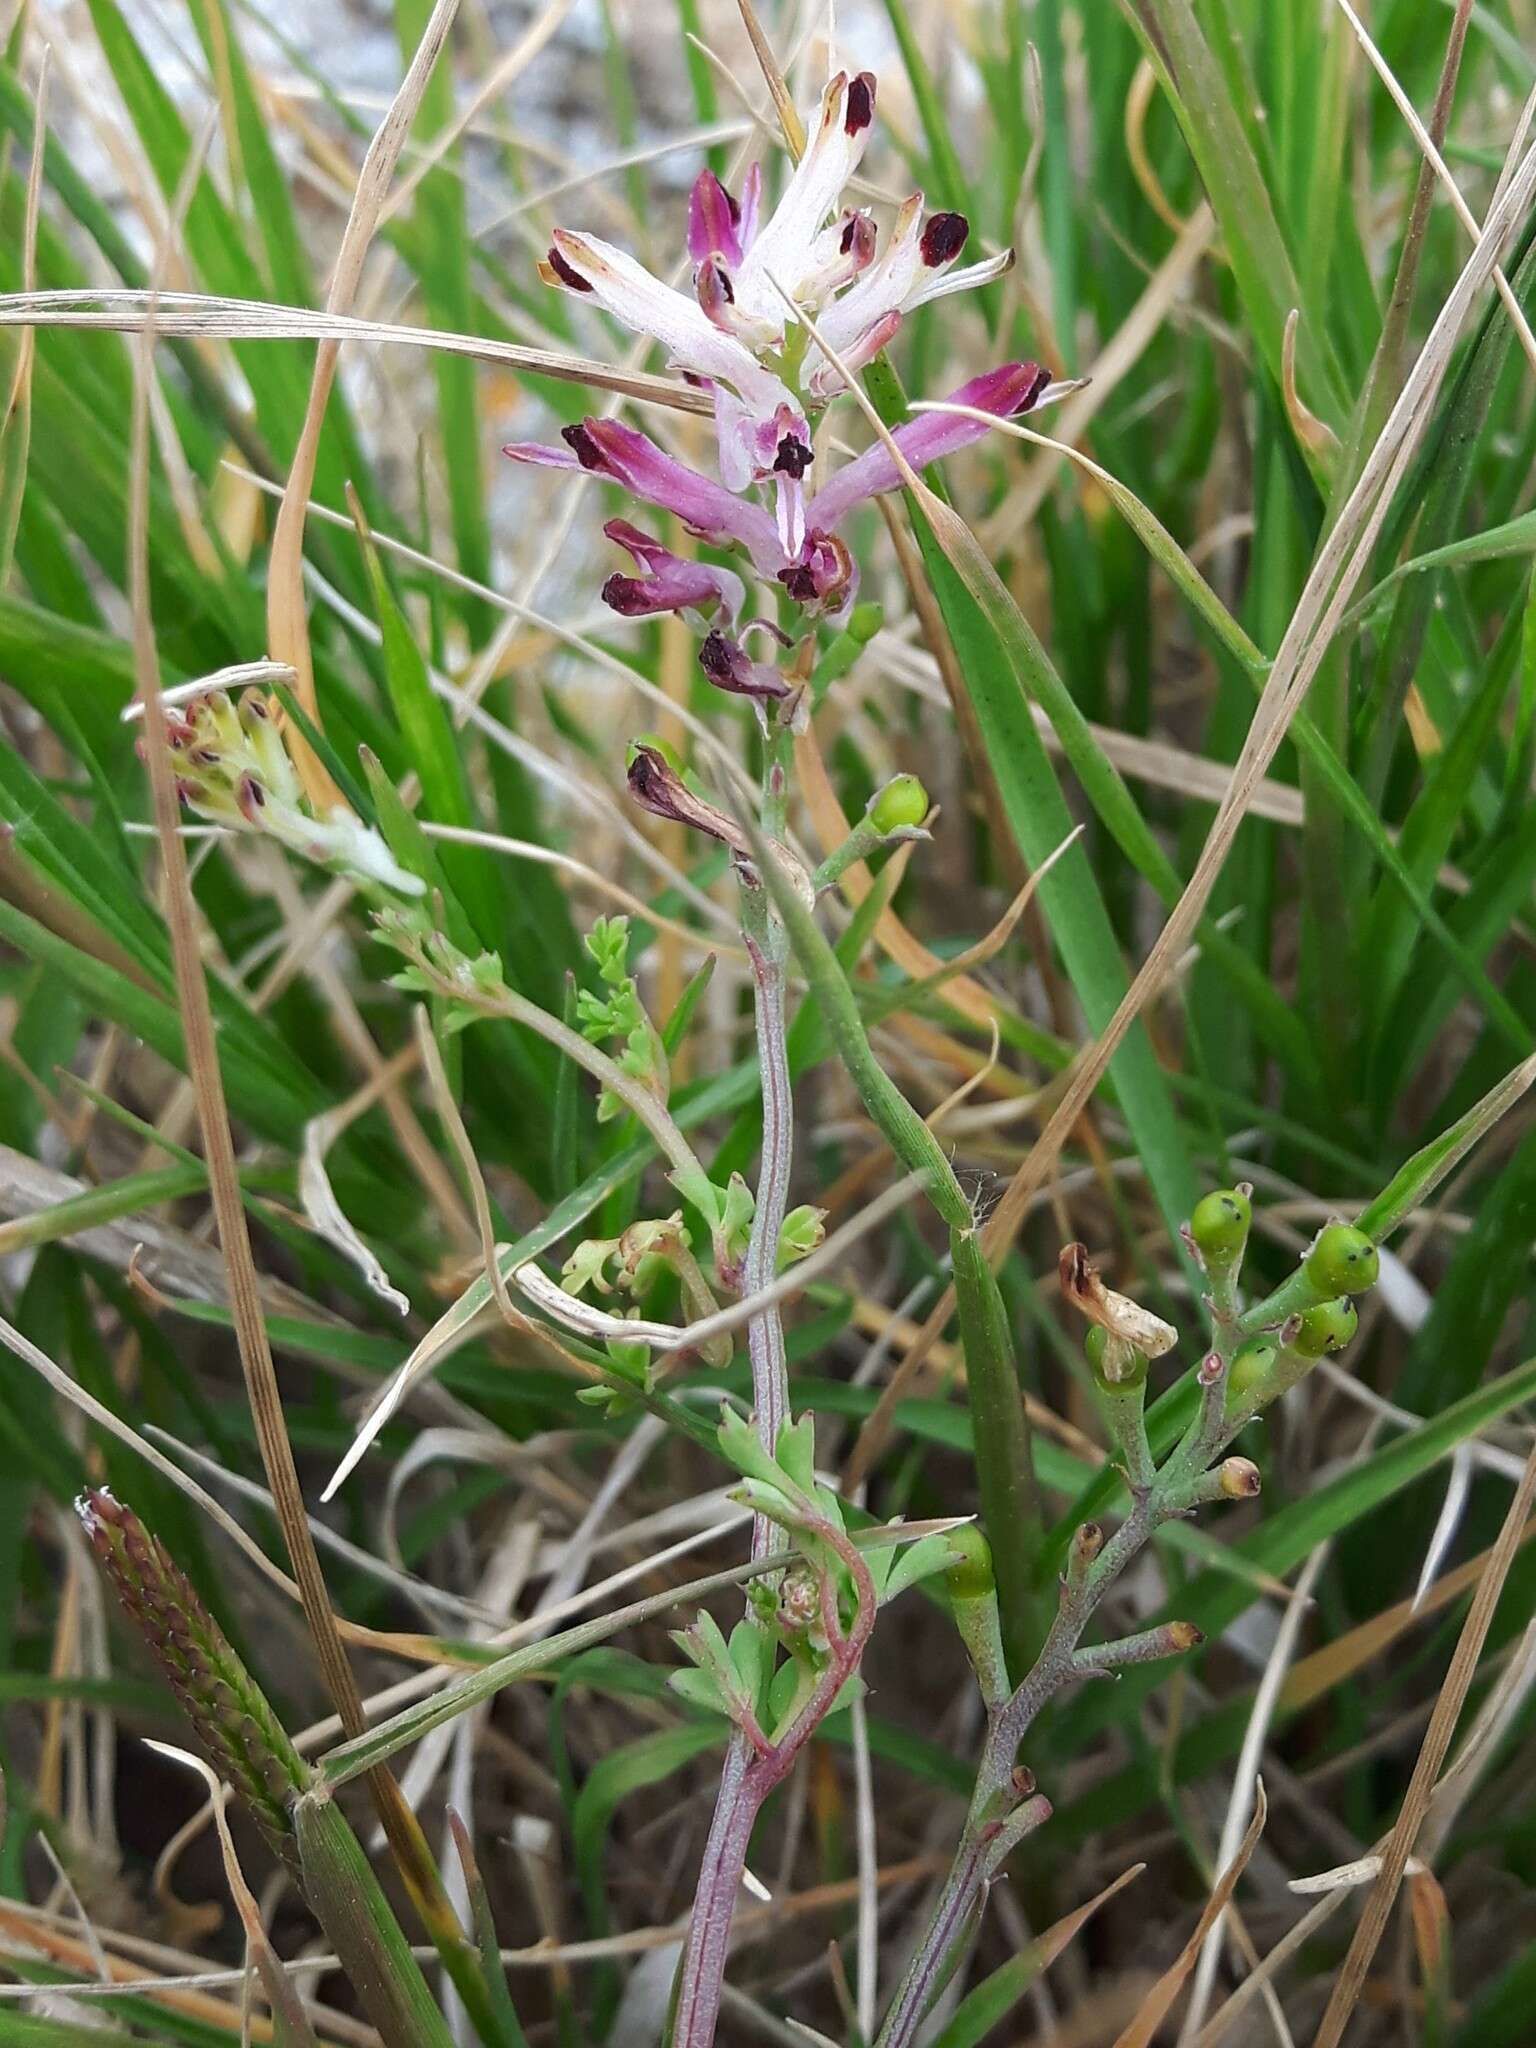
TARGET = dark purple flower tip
(626,595)
(715,657)
(578,438)
(715,292)
(792,457)
(824,574)
(566,274)
(1035,379)
(858,239)
(861,103)
(713,284)
(943,238)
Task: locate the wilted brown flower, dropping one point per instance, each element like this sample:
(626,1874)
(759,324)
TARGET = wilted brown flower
(1125,1322)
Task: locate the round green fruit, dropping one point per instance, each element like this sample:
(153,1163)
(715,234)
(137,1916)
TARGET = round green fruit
(1249,1375)
(900,806)
(1131,1364)
(1343,1261)
(1328,1327)
(1219,1226)
(972,1577)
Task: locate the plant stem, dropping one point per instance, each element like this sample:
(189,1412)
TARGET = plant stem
(1005,1469)
(765,1332)
(747,1780)
(1004,1466)
(998,1793)
(714,1901)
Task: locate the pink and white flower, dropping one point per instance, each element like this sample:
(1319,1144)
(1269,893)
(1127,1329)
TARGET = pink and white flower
(818,572)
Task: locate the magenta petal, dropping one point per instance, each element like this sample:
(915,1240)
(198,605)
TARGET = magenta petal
(610,449)
(635,461)
(672,584)
(714,221)
(542,454)
(1004,392)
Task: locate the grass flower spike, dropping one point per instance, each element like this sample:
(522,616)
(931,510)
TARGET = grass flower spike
(237,1729)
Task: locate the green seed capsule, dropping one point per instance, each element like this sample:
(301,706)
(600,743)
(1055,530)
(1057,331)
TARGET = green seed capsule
(1250,1374)
(1129,1365)
(972,1577)
(864,622)
(1219,1226)
(1328,1327)
(902,804)
(1343,1261)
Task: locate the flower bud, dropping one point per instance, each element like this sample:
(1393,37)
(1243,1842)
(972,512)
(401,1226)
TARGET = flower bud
(1239,1479)
(1342,1261)
(1326,1328)
(900,807)
(1087,1542)
(1219,1227)
(1183,1635)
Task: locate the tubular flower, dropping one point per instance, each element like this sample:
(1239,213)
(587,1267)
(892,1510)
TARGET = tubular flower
(670,583)
(818,572)
(737,331)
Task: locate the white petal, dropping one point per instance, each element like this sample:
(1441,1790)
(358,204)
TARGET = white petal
(967,280)
(627,290)
(885,286)
(814,191)
(790,510)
